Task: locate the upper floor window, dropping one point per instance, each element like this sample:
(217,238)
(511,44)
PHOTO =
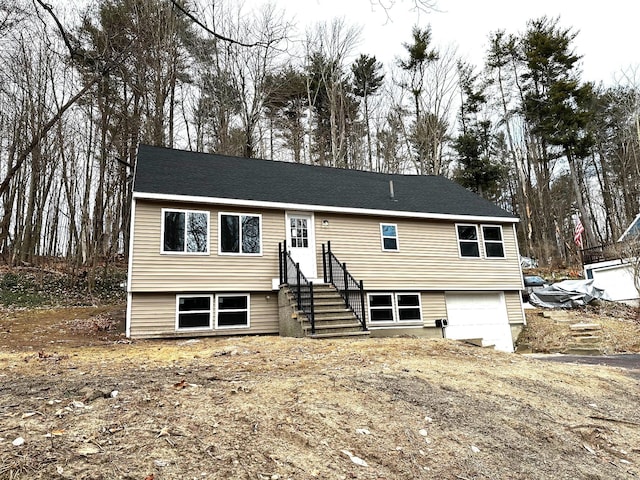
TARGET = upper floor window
(240,234)
(493,242)
(468,240)
(185,231)
(389,235)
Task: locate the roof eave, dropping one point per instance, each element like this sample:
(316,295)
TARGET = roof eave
(320,208)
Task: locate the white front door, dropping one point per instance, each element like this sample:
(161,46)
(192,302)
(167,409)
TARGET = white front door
(301,242)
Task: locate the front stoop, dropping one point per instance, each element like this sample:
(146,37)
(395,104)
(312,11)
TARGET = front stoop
(332,318)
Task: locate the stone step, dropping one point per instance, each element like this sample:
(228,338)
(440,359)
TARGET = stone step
(587,339)
(334,312)
(334,326)
(585,326)
(326,307)
(359,333)
(583,350)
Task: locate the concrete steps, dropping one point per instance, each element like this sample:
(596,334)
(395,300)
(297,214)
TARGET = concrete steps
(332,318)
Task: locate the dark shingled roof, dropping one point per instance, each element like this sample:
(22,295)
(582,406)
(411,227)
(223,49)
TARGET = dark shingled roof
(177,172)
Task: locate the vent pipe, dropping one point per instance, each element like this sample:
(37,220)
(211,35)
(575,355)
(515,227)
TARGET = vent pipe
(391,194)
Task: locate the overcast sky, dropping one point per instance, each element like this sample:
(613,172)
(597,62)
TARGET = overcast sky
(607,31)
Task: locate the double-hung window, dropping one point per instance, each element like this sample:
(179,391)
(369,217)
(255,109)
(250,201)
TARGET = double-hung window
(468,242)
(389,237)
(232,311)
(240,234)
(493,242)
(394,308)
(193,311)
(185,231)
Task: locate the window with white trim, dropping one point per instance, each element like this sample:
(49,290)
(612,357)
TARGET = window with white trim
(468,243)
(493,241)
(193,312)
(232,311)
(408,307)
(380,307)
(389,237)
(185,231)
(240,234)
(394,308)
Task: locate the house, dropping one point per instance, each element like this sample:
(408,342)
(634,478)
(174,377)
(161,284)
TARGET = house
(215,241)
(614,267)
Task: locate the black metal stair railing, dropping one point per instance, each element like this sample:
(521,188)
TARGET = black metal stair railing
(302,288)
(351,290)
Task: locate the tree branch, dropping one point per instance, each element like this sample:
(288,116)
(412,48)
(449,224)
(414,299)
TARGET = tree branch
(208,30)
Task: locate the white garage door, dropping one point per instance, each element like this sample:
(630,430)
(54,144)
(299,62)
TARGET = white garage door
(479,315)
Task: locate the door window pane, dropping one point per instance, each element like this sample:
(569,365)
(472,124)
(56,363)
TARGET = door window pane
(299,232)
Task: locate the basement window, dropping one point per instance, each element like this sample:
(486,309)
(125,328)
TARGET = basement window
(193,312)
(394,308)
(232,311)
(380,307)
(185,231)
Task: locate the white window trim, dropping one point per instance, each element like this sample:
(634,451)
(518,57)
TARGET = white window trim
(478,240)
(248,310)
(186,212)
(210,311)
(398,307)
(382,237)
(393,315)
(239,254)
(395,309)
(484,242)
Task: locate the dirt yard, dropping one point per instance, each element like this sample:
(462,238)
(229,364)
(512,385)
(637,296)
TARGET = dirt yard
(78,401)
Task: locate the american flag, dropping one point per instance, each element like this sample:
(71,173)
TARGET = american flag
(577,232)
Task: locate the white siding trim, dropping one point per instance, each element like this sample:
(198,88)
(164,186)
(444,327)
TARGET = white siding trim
(515,240)
(127,331)
(127,321)
(321,208)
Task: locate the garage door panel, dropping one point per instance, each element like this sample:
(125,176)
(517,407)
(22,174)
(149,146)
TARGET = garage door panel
(479,315)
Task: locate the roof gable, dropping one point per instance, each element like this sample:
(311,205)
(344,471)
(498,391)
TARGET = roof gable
(168,172)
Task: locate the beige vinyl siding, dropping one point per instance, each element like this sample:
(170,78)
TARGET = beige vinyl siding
(433,307)
(156,272)
(154,315)
(428,255)
(514,307)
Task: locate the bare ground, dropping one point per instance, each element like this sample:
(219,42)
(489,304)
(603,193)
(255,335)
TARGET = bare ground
(89,405)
